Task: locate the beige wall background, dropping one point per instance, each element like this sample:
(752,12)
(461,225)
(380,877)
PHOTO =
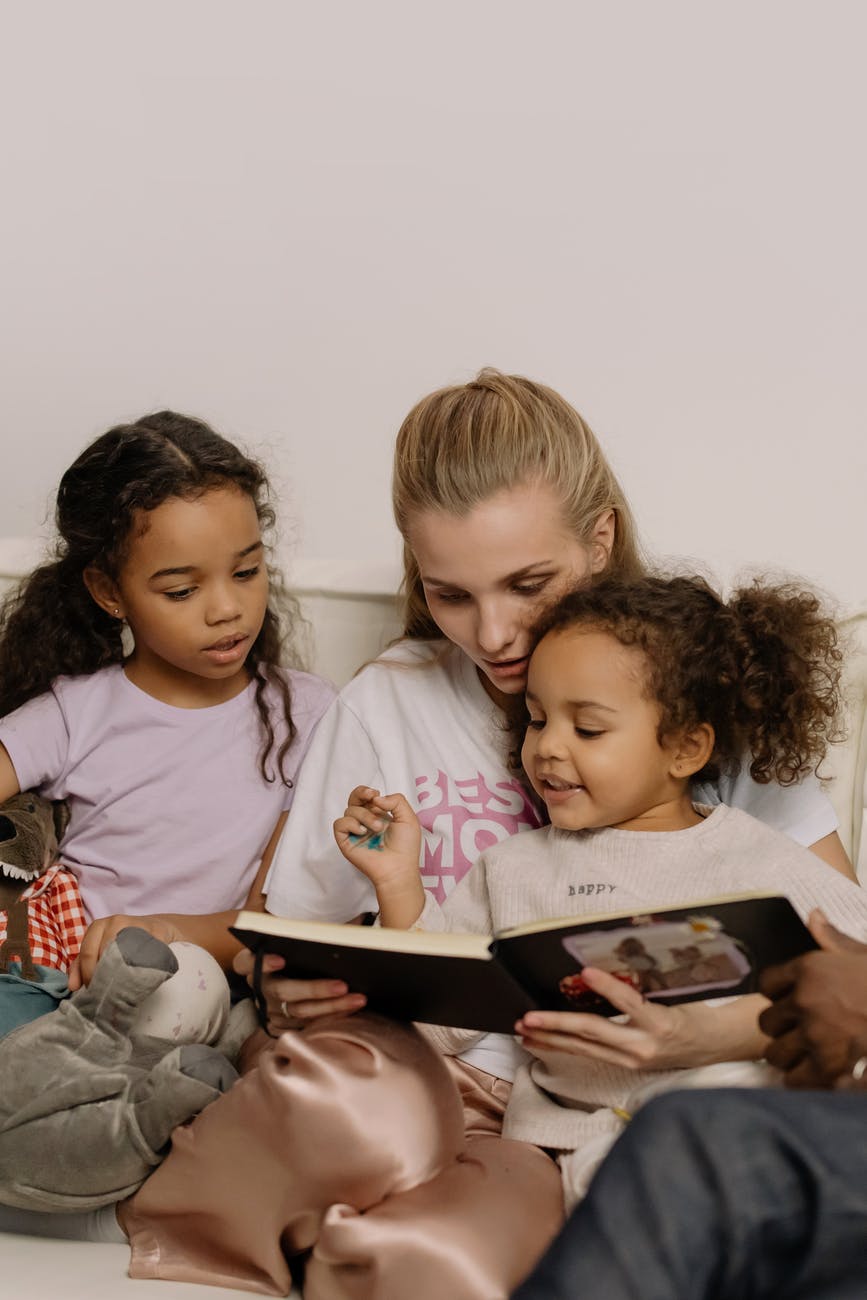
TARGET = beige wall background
(294,219)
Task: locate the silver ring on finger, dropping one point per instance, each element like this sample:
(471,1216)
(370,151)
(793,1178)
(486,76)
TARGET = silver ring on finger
(284,1011)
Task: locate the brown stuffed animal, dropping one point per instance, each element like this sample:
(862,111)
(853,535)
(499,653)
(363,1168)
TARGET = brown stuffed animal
(30,830)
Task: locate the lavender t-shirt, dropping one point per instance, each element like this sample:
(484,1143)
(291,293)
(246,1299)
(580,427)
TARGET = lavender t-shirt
(169,811)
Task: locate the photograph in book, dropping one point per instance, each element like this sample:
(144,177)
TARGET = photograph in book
(660,958)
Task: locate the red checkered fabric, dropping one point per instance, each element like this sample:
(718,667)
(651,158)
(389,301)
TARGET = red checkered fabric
(56,919)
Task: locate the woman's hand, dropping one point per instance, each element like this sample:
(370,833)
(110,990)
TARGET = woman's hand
(653,1037)
(392,864)
(294,1003)
(100,933)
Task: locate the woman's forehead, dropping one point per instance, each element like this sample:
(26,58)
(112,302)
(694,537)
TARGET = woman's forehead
(497,540)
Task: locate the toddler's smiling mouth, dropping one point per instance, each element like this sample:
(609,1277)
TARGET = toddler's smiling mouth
(555,790)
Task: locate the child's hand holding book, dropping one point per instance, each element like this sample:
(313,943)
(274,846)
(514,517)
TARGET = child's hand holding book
(381,836)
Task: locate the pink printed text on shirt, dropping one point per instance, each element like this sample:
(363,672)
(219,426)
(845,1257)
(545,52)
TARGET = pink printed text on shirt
(462,818)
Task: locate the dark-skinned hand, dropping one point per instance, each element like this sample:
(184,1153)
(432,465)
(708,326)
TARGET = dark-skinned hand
(817,1019)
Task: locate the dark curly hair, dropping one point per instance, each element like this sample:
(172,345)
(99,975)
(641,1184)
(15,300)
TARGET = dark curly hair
(762,668)
(50,625)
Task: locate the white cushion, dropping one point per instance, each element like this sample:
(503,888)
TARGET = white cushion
(846,764)
(83,1270)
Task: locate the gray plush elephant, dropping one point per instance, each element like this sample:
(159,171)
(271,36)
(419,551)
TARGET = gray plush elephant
(87,1105)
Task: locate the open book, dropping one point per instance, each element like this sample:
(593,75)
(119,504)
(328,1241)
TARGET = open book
(709,948)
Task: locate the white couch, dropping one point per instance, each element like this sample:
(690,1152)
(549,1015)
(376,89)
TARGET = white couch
(351,615)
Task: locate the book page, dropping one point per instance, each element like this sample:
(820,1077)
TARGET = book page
(373,937)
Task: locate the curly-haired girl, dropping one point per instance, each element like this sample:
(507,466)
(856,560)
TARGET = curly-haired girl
(176,757)
(638,691)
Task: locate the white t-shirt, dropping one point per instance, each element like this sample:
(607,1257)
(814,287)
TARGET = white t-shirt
(419,722)
(416,722)
(169,811)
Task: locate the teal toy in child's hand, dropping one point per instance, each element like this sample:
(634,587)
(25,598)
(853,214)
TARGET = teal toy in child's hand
(372,839)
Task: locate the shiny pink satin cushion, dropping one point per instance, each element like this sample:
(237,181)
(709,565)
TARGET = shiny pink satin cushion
(349,1112)
(473,1232)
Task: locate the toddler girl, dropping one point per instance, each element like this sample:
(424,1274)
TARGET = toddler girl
(177,759)
(636,690)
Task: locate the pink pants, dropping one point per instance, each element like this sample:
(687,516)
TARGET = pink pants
(469,1224)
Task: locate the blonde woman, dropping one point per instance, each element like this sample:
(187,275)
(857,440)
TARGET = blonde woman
(504,500)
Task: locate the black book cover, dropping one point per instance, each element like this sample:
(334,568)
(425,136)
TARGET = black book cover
(706,949)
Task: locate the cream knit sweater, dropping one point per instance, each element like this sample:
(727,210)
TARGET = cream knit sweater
(559,1100)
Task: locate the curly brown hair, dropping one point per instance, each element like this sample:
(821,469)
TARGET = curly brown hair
(50,625)
(762,668)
